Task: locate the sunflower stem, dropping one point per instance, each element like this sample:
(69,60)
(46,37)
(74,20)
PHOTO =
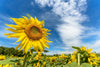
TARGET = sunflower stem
(32,55)
(79,59)
(31,58)
(24,60)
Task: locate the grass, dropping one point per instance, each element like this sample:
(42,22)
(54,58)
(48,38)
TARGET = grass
(9,61)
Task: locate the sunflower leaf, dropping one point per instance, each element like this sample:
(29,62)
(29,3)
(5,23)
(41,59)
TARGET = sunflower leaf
(77,48)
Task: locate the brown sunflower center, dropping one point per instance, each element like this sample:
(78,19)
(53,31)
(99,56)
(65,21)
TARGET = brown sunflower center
(33,32)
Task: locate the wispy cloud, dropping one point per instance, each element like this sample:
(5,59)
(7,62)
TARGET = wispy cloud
(32,3)
(4,41)
(71,16)
(95,45)
(58,52)
(5,19)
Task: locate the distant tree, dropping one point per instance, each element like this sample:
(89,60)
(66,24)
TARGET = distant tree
(2,50)
(12,51)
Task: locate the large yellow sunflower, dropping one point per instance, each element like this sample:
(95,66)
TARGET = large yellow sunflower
(30,32)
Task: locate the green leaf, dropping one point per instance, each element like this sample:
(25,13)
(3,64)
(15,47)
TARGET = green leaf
(35,61)
(85,65)
(46,51)
(74,64)
(76,48)
(67,65)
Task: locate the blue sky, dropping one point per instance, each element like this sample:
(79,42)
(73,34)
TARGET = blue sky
(73,22)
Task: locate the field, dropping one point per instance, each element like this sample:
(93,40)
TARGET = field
(82,57)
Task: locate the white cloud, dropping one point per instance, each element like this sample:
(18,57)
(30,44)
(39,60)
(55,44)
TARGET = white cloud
(97,44)
(5,18)
(90,33)
(71,15)
(46,2)
(32,3)
(58,52)
(61,47)
(94,45)
(3,21)
(2,33)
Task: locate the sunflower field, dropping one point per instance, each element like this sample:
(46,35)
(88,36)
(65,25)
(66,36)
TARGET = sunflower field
(81,57)
(33,39)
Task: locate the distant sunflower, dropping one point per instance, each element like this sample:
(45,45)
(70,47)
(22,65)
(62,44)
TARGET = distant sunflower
(30,32)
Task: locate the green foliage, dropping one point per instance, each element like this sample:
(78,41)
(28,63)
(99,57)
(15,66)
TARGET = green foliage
(10,51)
(74,64)
(9,61)
(77,48)
(59,62)
(84,55)
(85,65)
(30,64)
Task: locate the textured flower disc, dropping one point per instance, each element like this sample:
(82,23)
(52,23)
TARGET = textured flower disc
(33,32)
(30,33)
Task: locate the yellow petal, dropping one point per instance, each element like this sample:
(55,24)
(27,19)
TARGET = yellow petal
(18,46)
(40,46)
(27,47)
(20,38)
(17,21)
(34,44)
(14,35)
(41,24)
(13,30)
(14,26)
(26,19)
(31,20)
(44,44)
(36,21)
(24,43)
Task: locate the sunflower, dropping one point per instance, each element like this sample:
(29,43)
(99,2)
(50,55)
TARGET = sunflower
(2,57)
(53,59)
(30,33)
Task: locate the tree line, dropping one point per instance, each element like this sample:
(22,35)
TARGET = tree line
(10,51)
